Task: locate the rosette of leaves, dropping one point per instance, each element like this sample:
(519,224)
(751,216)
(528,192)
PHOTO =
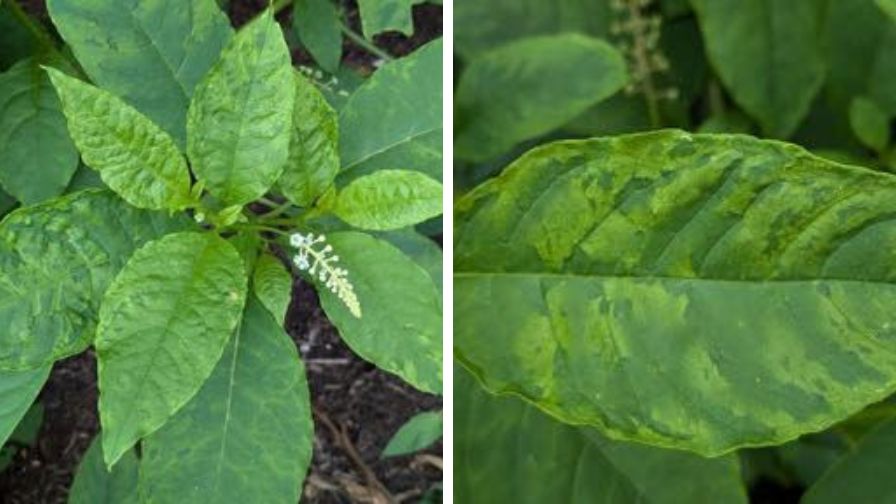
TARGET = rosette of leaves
(213,151)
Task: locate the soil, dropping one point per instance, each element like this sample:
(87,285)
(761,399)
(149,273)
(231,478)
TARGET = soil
(357,407)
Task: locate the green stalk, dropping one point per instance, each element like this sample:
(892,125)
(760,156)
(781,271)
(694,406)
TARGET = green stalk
(364,43)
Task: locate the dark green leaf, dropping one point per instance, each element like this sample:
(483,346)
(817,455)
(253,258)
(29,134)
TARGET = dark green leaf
(164,323)
(247,435)
(628,273)
(501,439)
(37,157)
(869,123)
(767,55)
(317,25)
(18,389)
(400,105)
(510,94)
(239,122)
(56,261)
(378,16)
(151,53)
(95,484)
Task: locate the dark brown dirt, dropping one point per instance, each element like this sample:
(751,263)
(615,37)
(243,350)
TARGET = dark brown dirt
(348,393)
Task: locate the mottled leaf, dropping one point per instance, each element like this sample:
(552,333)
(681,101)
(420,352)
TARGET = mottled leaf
(313,146)
(134,157)
(421,249)
(423,154)
(18,389)
(861,476)
(509,94)
(482,26)
(869,123)
(239,122)
(317,24)
(151,53)
(56,261)
(501,439)
(768,56)
(37,157)
(272,283)
(389,199)
(247,435)
(422,430)
(400,104)
(164,323)
(702,292)
(95,484)
(401,329)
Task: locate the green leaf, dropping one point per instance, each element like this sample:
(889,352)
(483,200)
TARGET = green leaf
(151,53)
(317,24)
(17,42)
(400,104)
(56,261)
(401,329)
(239,122)
(860,476)
(37,157)
(18,389)
(628,273)
(419,432)
(272,283)
(389,199)
(869,123)
(859,43)
(501,439)
(509,94)
(482,26)
(95,484)
(164,323)
(313,147)
(768,56)
(24,434)
(421,249)
(378,16)
(423,154)
(247,435)
(134,157)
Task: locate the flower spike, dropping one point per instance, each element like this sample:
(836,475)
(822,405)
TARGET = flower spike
(320,262)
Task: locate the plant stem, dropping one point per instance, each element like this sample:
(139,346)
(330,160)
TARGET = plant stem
(365,44)
(279,209)
(279,5)
(254,227)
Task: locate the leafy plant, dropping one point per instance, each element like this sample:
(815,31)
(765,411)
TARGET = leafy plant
(684,316)
(223,174)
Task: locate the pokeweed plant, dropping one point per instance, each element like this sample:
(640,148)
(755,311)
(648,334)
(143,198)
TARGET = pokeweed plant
(686,316)
(218,159)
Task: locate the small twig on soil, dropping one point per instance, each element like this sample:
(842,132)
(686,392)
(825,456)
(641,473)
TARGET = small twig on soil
(340,435)
(427,459)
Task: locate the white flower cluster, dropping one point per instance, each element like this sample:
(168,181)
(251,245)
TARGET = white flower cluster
(321,262)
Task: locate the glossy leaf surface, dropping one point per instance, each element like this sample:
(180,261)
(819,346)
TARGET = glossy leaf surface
(134,157)
(247,435)
(151,53)
(239,122)
(704,292)
(56,261)
(508,94)
(401,329)
(164,323)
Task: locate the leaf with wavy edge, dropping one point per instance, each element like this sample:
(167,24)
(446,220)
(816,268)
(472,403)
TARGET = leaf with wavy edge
(389,199)
(272,283)
(504,439)
(240,117)
(164,323)
(133,156)
(56,261)
(702,292)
